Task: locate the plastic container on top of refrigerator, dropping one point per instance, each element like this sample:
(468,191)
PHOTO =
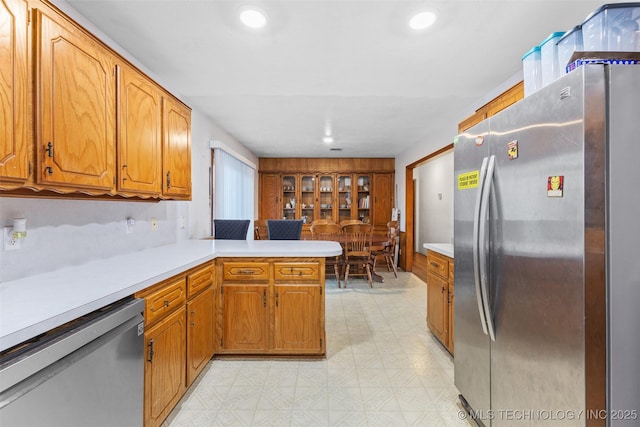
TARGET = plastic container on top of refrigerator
(613,28)
(549,58)
(532,71)
(569,43)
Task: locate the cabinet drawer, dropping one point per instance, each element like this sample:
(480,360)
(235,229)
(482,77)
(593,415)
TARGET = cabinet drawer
(246,271)
(438,264)
(287,271)
(199,279)
(165,300)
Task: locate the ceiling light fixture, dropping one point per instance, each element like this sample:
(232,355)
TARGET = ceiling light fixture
(253,18)
(422,20)
(328,139)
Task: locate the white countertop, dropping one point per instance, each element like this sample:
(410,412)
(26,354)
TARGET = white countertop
(37,304)
(445,249)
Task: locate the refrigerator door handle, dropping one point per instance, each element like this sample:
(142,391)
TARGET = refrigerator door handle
(482,245)
(476,246)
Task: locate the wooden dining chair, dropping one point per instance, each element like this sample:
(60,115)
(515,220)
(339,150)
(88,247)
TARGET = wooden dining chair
(329,232)
(322,221)
(350,221)
(260,230)
(388,251)
(357,251)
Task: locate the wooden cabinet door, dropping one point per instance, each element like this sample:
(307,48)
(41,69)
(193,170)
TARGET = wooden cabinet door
(308,198)
(270,207)
(76,107)
(382,199)
(451,317)
(344,197)
(437,307)
(140,137)
(176,149)
(289,188)
(298,325)
(245,317)
(362,197)
(164,373)
(200,333)
(14,142)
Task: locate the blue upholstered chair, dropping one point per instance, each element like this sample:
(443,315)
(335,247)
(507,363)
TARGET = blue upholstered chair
(230,229)
(284,229)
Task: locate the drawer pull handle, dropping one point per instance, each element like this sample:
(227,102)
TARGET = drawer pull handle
(246,272)
(166,303)
(434,265)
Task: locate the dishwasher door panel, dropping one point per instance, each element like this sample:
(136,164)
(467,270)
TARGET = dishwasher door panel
(99,384)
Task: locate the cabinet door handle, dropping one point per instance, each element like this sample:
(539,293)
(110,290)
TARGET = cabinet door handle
(264,297)
(442,291)
(276,299)
(169,179)
(49,149)
(166,303)
(151,351)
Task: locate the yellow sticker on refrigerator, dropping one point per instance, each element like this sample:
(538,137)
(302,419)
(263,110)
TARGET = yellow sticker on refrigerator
(468,180)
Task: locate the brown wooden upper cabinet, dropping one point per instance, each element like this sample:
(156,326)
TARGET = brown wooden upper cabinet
(176,152)
(76,116)
(510,96)
(14,78)
(99,126)
(140,133)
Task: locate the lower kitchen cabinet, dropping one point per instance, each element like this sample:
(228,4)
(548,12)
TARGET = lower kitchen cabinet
(164,372)
(200,333)
(179,336)
(245,318)
(272,306)
(440,297)
(298,311)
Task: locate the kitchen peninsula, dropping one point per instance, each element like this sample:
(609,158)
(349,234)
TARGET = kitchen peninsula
(203,297)
(33,305)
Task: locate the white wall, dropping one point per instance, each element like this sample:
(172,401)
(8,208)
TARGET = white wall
(62,233)
(434,201)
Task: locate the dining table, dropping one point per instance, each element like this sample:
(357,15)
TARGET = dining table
(377,240)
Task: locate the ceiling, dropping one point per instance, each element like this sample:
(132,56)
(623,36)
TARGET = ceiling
(350,68)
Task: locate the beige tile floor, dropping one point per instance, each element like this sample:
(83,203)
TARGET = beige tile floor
(383,368)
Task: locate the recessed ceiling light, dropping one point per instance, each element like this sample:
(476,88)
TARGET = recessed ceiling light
(253,18)
(327,139)
(422,20)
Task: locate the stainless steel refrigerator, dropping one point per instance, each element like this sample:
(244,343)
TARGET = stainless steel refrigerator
(547,258)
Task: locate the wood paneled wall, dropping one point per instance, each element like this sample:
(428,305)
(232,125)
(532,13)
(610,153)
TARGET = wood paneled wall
(326,165)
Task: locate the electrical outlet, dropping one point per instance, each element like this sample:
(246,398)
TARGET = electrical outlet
(154,224)
(130,222)
(10,244)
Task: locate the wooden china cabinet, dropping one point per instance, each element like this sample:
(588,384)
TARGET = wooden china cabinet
(332,189)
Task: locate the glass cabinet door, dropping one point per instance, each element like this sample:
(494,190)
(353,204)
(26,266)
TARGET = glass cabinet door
(344,197)
(325,196)
(363,197)
(307,198)
(289,197)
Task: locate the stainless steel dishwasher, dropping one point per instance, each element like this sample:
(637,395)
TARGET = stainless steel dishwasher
(89,372)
